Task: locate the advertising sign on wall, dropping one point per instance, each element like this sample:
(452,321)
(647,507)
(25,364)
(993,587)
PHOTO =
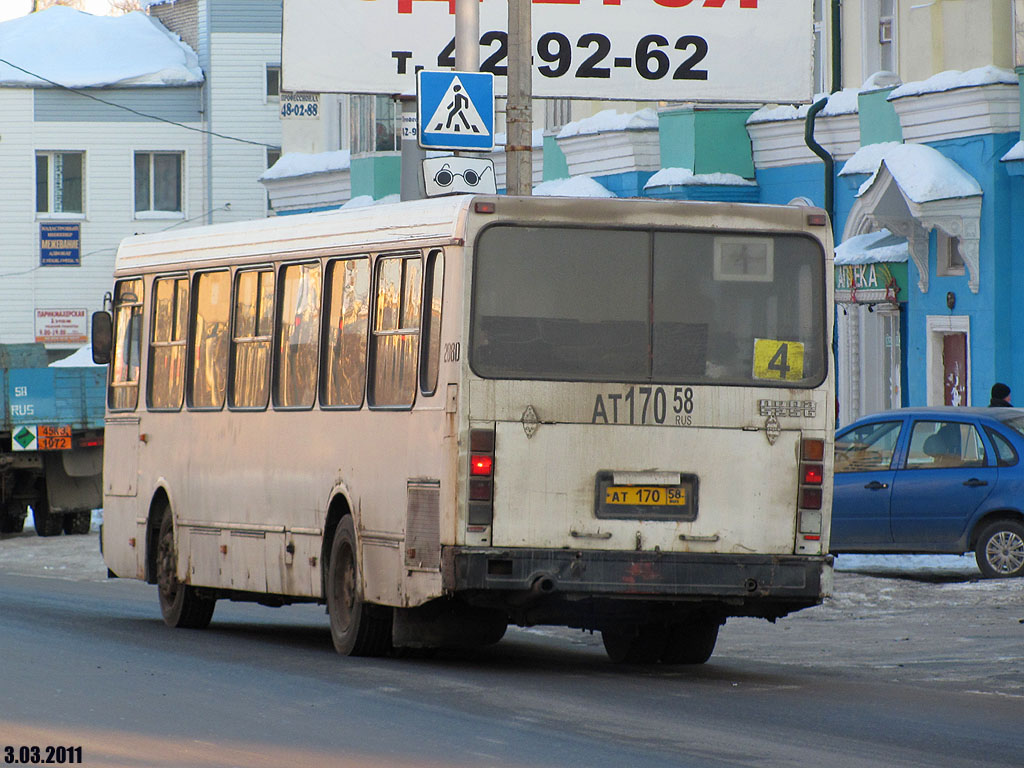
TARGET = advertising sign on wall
(62,326)
(674,50)
(60,245)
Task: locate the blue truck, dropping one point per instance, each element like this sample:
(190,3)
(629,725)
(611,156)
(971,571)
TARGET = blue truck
(51,442)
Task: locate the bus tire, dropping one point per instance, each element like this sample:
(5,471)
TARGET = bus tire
(691,642)
(1000,550)
(77,523)
(635,644)
(357,628)
(180,604)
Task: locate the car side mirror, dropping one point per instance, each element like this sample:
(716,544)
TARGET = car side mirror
(102,337)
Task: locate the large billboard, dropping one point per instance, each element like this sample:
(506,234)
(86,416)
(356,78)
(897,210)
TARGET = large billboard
(640,50)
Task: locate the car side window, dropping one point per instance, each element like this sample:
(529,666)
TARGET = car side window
(867,448)
(944,444)
(1006,456)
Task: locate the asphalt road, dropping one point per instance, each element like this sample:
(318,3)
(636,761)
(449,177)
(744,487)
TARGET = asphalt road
(891,672)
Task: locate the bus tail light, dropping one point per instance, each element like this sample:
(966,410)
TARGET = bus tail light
(481,477)
(812,476)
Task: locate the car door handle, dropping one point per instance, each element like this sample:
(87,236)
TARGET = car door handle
(874,485)
(975,482)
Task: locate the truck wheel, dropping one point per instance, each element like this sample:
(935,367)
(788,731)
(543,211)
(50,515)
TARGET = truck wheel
(47,523)
(634,644)
(181,605)
(692,642)
(1000,550)
(357,628)
(78,522)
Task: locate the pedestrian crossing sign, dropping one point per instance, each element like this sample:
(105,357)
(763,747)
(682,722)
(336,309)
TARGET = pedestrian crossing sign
(456,110)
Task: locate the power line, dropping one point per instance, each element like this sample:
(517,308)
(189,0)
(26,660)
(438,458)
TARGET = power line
(79,92)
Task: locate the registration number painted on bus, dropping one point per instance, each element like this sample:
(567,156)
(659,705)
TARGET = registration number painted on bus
(645,405)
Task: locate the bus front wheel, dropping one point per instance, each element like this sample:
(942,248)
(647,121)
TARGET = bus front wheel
(180,604)
(357,628)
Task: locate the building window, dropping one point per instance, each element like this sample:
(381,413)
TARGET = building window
(273,155)
(821,49)
(880,35)
(557,112)
(273,81)
(376,124)
(949,260)
(59,182)
(158,182)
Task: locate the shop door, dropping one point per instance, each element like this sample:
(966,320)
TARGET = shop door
(954,369)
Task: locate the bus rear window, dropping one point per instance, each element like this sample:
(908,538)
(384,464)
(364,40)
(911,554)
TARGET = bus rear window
(640,305)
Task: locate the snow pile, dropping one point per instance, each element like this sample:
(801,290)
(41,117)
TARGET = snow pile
(293,164)
(610,120)
(880,246)
(81,358)
(79,50)
(922,173)
(916,564)
(684,177)
(577,186)
(954,78)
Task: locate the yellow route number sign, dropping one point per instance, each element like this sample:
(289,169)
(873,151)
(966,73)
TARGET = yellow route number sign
(778,360)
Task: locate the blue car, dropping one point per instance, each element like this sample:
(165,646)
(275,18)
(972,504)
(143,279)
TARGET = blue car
(933,480)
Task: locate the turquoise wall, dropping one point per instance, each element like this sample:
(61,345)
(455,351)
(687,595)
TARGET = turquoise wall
(377,175)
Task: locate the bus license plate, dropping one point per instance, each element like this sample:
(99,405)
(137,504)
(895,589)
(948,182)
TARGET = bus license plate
(646,495)
(646,501)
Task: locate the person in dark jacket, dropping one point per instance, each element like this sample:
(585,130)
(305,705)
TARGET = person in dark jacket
(1000,396)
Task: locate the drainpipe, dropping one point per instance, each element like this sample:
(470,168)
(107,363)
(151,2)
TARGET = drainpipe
(820,151)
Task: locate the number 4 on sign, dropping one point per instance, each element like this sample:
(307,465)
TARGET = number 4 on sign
(778,360)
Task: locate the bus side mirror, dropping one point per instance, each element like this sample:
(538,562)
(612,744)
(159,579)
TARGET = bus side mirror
(102,336)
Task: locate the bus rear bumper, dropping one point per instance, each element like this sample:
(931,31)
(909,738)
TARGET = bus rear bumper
(738,585)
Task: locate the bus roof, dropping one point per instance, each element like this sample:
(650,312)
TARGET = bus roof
(435,219)
(418,222)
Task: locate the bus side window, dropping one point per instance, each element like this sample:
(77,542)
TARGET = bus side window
(433,293)
(298,336)
(166,380)
(124,365)
(250,340)
(209,363)
(396,330)
(343,369)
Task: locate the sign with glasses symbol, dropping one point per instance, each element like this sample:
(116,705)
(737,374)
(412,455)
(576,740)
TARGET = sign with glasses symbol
(458,175)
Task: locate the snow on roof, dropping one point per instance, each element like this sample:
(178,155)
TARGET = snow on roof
(954,78)
(293,164)
(684,177)
(362,201)
(79,50)
(1016,153)
(577,186)
(880,246)
(842,102)
(536,138)
(610,120)
(922,173)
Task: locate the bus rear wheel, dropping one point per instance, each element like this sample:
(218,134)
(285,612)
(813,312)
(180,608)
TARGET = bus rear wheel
(692,642)
(180,604)
(357,628)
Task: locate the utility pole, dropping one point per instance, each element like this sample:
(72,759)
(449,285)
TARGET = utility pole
(467,35)
(518,107)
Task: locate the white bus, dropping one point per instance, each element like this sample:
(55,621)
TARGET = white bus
(441,417)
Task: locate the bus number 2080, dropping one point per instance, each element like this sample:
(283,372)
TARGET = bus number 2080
(645,405)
